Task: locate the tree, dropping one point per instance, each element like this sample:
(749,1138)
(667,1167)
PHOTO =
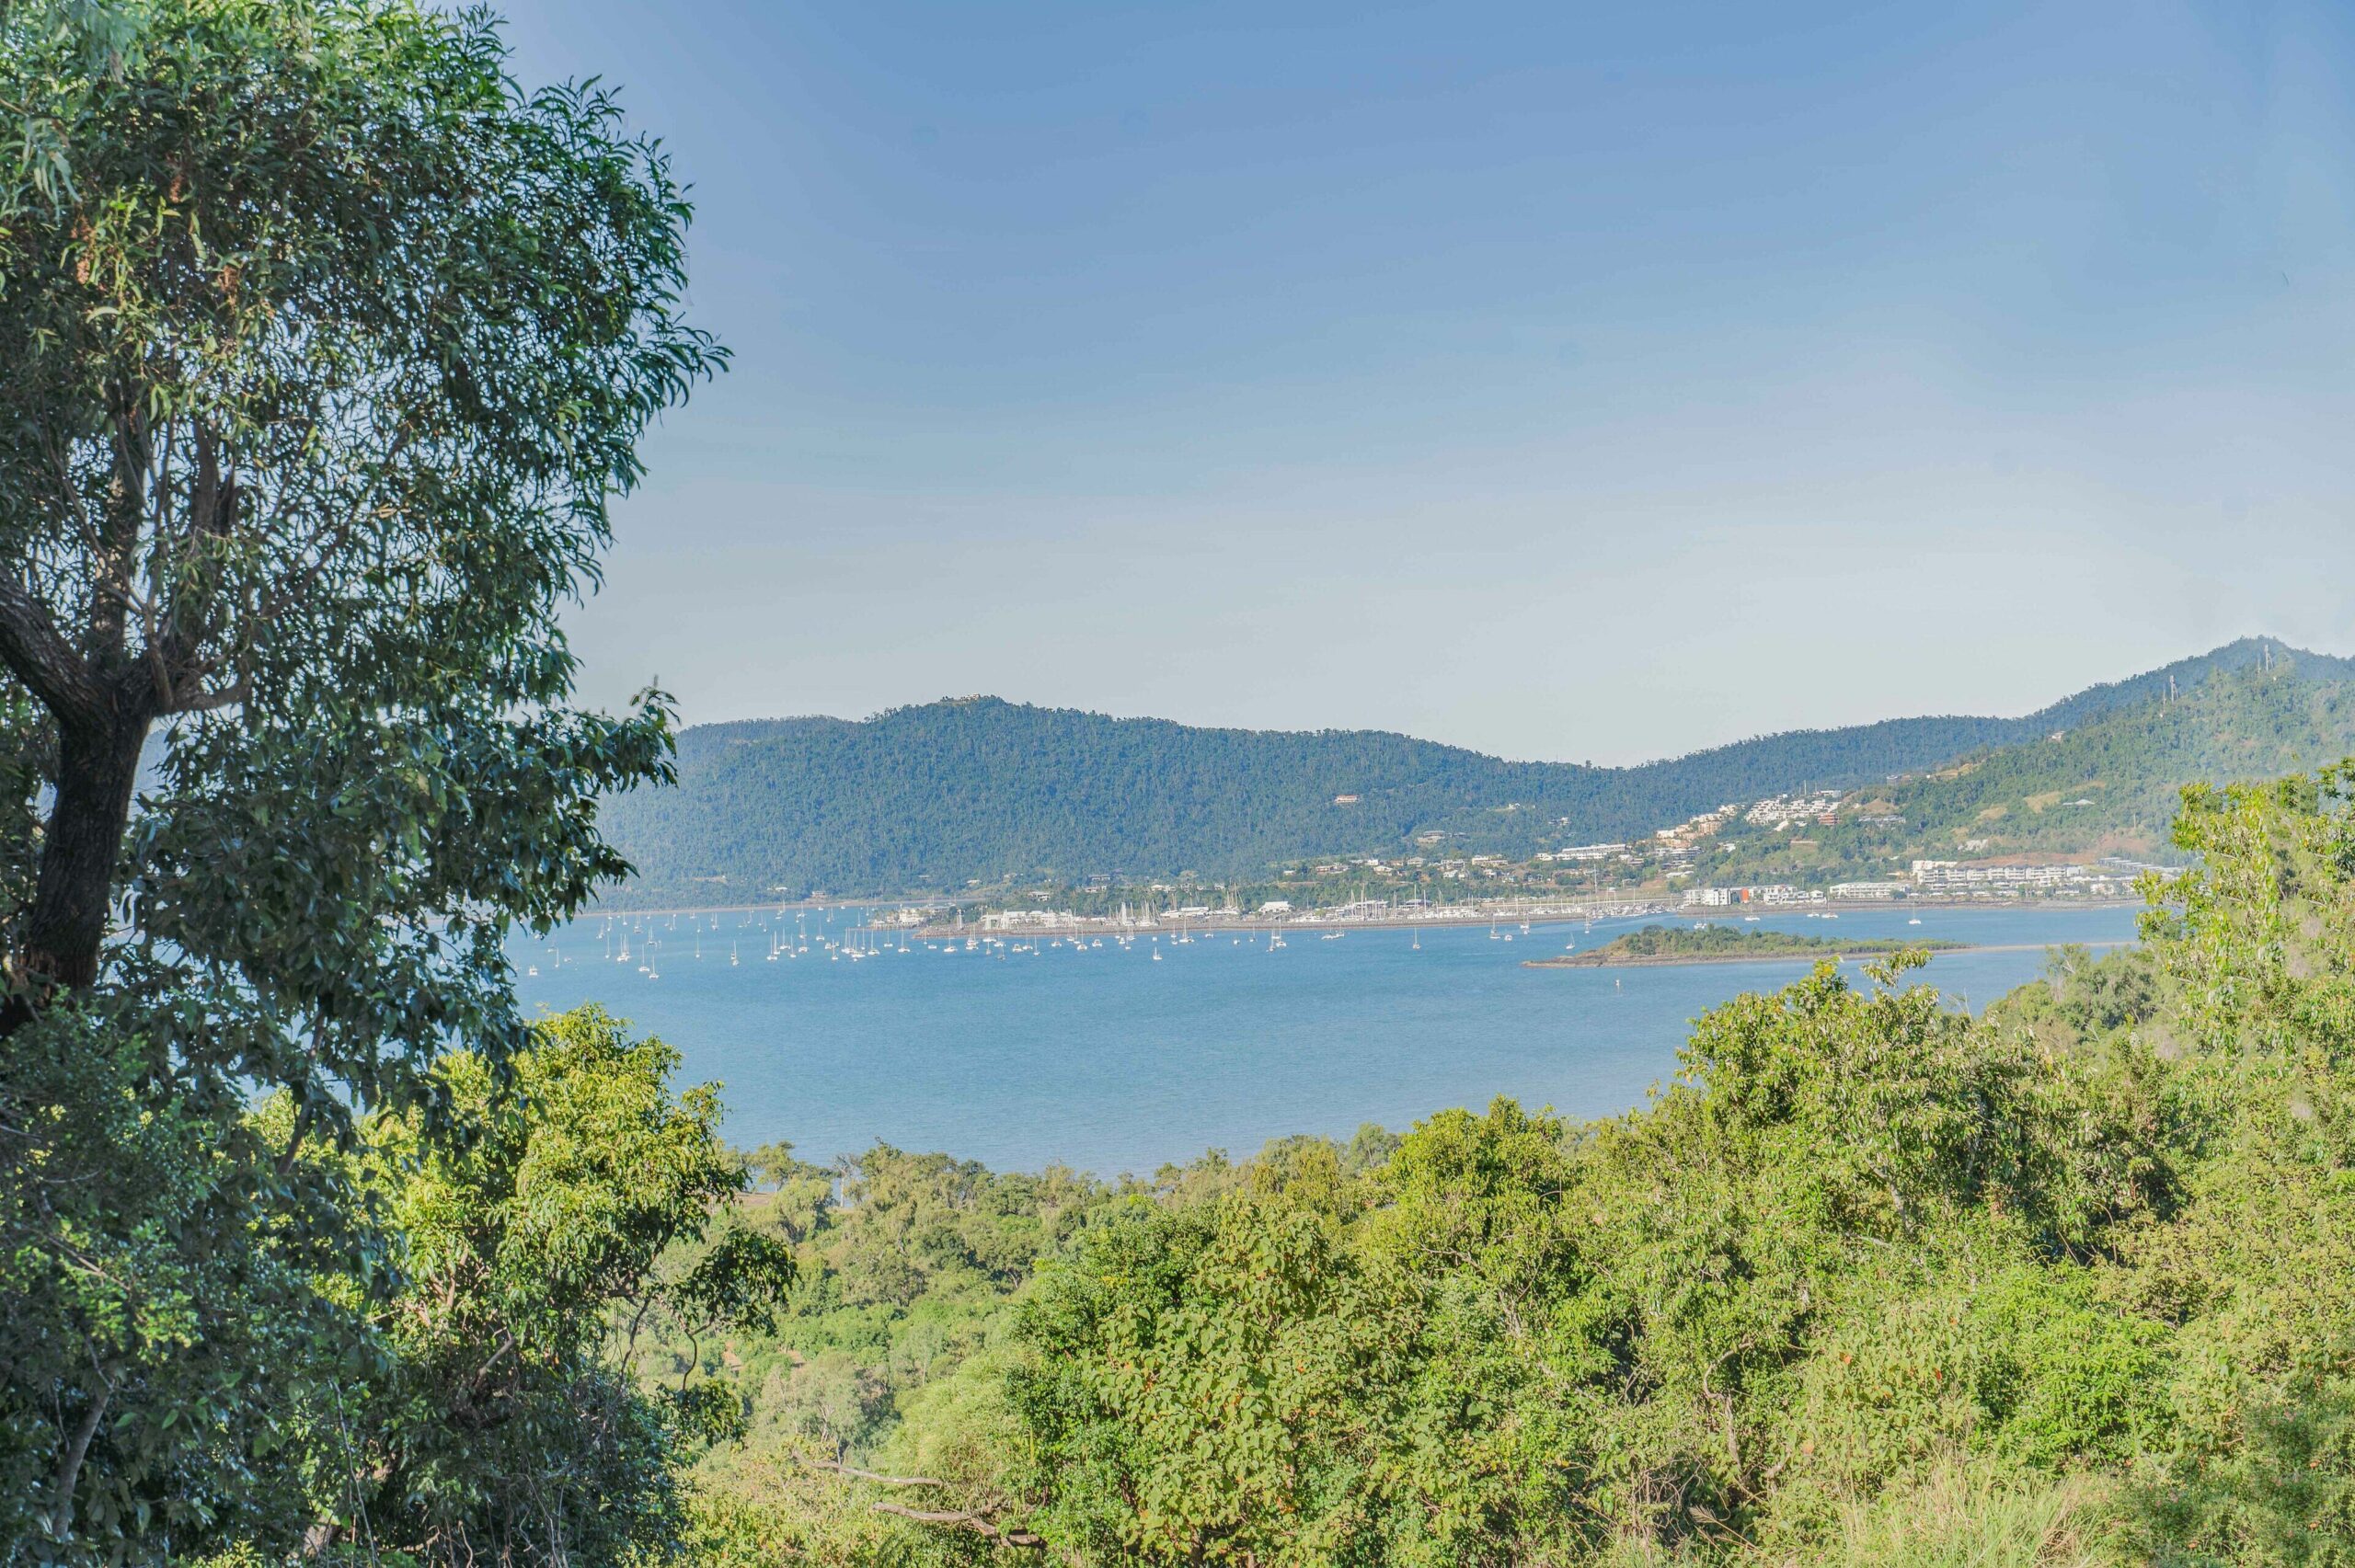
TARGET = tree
(772,1165)
(502,1426)
(328,347)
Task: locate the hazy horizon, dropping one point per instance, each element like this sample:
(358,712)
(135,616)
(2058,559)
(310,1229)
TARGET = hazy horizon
(1561,386)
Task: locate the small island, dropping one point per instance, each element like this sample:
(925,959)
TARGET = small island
(1724,945)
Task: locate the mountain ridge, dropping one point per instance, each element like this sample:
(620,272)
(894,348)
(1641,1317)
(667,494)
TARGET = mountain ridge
(2240,653)
(931,796)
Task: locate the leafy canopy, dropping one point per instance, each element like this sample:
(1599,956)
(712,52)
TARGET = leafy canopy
(330,346)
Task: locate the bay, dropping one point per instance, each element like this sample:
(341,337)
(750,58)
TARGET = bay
(1108,1060)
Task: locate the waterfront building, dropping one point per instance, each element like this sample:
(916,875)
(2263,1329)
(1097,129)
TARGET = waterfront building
(1865,890)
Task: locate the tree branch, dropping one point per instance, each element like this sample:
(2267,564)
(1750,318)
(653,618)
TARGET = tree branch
(69,1464)
(962,1519)
(126,510)
(294,1139)
(976,1520)
(38,655)
(207,699)
(186,623)
(842,1469)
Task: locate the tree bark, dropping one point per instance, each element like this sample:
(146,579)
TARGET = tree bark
(98,767)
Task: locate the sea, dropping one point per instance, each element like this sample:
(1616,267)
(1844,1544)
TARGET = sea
(1118,1059)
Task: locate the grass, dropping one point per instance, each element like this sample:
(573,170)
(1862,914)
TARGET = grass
(1956,1519)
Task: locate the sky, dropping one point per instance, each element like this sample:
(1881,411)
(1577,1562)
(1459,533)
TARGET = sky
(1570,382)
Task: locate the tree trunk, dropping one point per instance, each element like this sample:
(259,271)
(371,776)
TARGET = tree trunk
(97,766)
(69,1465)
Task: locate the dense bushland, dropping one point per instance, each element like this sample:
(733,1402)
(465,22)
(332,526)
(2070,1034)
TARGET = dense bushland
(444,1381)
(1872,1280)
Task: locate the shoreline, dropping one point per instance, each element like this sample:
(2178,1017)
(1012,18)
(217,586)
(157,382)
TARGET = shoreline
(1250,925)
(1671,961)
(1639,909)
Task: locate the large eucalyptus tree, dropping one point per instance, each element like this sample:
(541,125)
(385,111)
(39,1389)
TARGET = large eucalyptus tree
(324,349)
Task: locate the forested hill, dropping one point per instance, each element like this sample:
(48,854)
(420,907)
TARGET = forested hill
(2114,780)
(926,798)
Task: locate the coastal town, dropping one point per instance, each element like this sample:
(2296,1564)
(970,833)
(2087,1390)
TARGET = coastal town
(1667,873)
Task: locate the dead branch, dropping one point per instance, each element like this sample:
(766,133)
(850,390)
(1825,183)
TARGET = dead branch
(960,1519)
(853,1471)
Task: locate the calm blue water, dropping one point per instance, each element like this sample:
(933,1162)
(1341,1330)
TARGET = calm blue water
(1109,1062)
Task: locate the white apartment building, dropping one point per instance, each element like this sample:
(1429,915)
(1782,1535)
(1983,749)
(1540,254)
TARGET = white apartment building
(1946,878)
(1862,890)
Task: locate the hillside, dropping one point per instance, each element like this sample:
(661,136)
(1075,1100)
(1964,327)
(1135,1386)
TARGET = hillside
(2108,786)
(929,796)
(2126,768)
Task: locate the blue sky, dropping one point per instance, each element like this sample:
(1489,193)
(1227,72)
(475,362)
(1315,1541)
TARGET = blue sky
(1569,382)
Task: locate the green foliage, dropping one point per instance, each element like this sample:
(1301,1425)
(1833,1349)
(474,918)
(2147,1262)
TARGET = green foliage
(444,1383)
(1199,1369)
(901,1274)
(503,1428)
(329,348)
(2281,1492)
(328,345)
(1663,944)
(162,1326)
